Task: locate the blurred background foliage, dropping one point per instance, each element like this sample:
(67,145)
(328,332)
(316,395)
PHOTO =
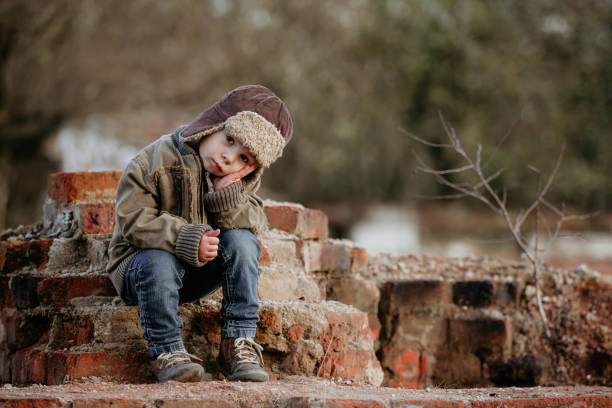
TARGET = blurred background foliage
(357,75)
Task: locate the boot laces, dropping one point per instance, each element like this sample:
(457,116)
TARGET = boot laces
(174,358)
(247,351)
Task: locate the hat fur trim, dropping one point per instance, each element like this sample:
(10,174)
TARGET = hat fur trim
(263,140)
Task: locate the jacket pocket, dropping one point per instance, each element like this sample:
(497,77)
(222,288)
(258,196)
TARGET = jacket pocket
(173,191)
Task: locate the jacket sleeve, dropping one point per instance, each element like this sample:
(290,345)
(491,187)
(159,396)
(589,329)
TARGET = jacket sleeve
(236,206)
(143,225)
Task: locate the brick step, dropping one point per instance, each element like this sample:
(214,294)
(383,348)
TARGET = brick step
(295,392)
(279,282)
(416,294)
(88,198)
(442,331)
(299,338)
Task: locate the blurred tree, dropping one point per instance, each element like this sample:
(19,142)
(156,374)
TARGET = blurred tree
(352,72)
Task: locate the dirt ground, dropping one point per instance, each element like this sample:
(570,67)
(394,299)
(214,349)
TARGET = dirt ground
(293,391)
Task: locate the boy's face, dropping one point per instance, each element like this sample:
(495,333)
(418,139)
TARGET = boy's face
(222,154)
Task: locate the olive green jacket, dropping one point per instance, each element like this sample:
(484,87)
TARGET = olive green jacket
(165,200)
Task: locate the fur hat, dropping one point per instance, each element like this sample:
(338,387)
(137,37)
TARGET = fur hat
(254,115)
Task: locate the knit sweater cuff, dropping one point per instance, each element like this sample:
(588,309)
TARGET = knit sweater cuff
(224,199)
(188,243)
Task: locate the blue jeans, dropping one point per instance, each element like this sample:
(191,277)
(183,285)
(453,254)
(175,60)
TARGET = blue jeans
(157,281)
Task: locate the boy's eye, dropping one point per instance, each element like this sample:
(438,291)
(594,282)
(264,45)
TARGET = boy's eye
(244,158)
(229,139)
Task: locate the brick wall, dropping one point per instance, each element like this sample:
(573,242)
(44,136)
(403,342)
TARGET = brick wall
(329,309)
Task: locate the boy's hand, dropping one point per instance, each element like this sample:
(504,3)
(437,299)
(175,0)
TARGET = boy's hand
(209,244)
(222,182)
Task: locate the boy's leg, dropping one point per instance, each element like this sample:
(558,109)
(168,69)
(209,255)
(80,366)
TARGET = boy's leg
(240,357)
(235,269)
(152,281)
(240,252)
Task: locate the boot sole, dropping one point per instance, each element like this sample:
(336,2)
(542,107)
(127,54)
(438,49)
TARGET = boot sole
(188,375)
(254,376)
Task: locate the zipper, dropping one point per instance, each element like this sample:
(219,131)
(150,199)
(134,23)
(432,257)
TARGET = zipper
(200,195)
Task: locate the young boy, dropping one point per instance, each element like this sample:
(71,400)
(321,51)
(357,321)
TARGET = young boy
(186,215)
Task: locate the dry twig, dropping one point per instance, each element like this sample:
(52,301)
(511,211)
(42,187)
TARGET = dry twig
(483,192)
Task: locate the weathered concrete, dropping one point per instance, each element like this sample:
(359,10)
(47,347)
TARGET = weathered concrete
(295,392)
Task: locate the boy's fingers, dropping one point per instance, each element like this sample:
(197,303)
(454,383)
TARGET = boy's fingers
(213,233)
(246,170)
(213,241)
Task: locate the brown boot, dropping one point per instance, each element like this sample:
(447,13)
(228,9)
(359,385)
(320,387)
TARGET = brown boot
(178,366)
(240,360)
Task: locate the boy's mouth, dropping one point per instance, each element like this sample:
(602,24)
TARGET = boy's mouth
(217,167)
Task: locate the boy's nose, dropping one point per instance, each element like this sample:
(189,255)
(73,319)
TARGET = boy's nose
(229,158)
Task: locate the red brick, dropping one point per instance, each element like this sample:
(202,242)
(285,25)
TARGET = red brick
(37,368)
(347,326)
(6,297)
(374,325)
(130,367)
(200,402)
(358,292)
(209,324)
(474,293)
(71,331)
(434,403)
(312,402)
(295,219)
(457,369)
(328,256)
(268,328)
(334,255)
(415,331)
(397,296)
(79,186)
(409,367)
(482,334)
(30,402)
(25,330)
(547,402)
(18,254)
(264,258)
(484,293)
(19,366)
(111,402)
(58,290)
(523,371)
(299,363)
(295,332)
(359,259)
(98,218)
(23,291)
(348,364)
(507,293)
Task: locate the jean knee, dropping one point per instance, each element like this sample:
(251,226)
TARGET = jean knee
(160,268)
(239,243)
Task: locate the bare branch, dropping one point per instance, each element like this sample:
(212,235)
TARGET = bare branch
(552,208)
(489,179)
(533,252)
(456,170)
(455,186)
(423,141)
